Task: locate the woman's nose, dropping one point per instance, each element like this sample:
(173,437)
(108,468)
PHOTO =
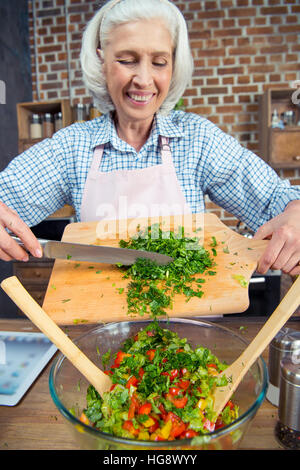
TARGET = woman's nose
(143,75)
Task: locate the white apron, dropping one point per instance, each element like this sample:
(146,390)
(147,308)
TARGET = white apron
(120,194)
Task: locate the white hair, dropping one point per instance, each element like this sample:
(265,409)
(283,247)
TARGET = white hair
(116,12)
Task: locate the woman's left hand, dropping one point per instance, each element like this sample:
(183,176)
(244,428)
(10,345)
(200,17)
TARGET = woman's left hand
(283,251)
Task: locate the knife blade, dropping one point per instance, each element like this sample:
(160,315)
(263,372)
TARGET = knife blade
(96,253)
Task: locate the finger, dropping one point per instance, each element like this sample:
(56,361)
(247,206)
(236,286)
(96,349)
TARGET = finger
(291,264)
(10,219)
(10,248)
(295,271)
(270,254)
(4,256)
(264,231)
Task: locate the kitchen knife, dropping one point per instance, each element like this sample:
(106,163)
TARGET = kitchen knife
(95,253)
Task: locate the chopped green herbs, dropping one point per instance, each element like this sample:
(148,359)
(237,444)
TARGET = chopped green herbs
(152,287)
(240,279)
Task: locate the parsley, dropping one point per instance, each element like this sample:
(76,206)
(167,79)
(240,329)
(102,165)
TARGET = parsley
(152,287)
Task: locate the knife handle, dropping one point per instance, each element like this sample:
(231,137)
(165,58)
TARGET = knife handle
(41,241)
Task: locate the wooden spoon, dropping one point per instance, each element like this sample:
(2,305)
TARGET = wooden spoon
(39,317)
(236,371)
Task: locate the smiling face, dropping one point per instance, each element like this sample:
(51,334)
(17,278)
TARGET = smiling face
(138,69)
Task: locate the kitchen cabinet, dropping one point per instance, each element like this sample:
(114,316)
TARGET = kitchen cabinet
(280,148)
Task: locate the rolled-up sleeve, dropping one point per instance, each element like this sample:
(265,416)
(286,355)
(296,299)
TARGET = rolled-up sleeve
(243,184)
(34,184)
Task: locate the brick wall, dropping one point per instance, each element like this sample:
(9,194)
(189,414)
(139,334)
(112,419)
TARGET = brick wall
(240,48)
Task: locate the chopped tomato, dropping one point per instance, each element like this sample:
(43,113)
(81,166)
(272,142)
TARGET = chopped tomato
(180,402)
(174,391)
(174,373)
(119,358)
(163,412)
(188,434)
(145,409)
(131,381)
(219,423)
(154,426)
(178,427)
(141,373)
(112,387)
(183,371)
(184,384)
(230,404)
(134,405)
(165,373)
(150,333)
(151,354)
(128,425)
(212,365)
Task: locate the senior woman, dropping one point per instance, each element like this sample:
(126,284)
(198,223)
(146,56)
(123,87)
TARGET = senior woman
(141,157)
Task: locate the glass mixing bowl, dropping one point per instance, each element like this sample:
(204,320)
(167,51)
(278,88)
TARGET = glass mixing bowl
(68,387)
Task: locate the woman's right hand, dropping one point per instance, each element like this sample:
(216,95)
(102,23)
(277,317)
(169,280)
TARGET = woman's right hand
(9,248)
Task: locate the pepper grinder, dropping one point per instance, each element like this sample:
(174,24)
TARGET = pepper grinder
(285,343)
(287,430)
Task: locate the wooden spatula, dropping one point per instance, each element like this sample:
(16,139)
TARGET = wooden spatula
(39,317)
(236,371)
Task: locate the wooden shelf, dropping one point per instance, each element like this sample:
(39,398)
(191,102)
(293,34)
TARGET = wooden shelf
(280,148)
(24,112)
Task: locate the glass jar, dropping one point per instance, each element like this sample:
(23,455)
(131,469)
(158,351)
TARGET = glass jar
(58,121)
(79,112)
(48,125)
(35,126)
(93,112)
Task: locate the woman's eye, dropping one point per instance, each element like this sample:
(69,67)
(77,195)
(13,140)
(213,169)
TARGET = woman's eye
(125,62)
(159,64)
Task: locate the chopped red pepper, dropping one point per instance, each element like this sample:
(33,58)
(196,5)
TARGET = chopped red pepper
(230,404)
(119,358)
(174,373)
(145,408)
(132,381)
(178,426)
(163,412)
(128,425)
(151,354)
(133,407)
(184,384)
(180,402)
(150,333)
(188,434)
(154,426)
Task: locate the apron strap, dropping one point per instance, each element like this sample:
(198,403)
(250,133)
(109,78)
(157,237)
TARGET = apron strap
(166,155)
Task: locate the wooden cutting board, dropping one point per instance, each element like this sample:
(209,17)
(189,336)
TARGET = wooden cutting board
(81,292)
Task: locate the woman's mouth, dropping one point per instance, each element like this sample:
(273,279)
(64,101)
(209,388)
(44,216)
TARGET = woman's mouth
(140,99)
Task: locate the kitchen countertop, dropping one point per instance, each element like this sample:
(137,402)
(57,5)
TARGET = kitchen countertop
(36,424)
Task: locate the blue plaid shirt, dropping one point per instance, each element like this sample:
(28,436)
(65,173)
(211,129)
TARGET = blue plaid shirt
(53,172)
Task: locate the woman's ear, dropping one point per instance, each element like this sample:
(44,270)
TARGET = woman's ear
(100,54)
